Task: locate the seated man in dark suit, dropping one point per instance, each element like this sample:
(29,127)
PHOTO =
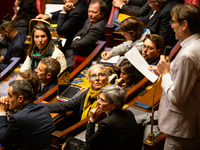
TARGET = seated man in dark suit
(16,47)
(47,71)
(93,30)
(70,19)
(31,126)
(157,20)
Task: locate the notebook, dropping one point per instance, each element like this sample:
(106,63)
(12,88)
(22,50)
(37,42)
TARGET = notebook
(66,91)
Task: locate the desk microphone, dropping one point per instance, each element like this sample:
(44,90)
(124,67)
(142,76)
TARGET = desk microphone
(167,51)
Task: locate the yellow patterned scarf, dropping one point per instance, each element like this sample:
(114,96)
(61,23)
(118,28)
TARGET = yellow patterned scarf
(87,104)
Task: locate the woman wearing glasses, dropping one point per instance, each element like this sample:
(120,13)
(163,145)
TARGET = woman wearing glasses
(119,130)
(82,104)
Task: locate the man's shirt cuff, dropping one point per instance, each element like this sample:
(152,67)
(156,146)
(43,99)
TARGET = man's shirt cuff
(2,113)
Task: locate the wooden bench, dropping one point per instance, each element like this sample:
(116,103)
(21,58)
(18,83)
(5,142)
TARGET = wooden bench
(113,38)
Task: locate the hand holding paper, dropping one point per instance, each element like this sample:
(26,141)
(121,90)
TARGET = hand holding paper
(140,63)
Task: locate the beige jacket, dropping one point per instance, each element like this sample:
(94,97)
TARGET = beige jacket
(179,110)
(57,54)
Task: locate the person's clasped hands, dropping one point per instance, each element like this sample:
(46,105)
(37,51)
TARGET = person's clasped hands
(4,103)
(68,7)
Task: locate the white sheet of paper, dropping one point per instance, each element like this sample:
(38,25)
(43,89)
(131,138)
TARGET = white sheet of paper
(63,40)
(113,60)
(49,8)
(140,63)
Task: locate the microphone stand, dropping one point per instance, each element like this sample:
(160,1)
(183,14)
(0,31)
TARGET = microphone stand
(151,135)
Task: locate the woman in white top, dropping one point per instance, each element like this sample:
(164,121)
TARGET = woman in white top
(42,46)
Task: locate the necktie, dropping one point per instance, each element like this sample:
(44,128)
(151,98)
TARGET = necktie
(151,17)
(85,30)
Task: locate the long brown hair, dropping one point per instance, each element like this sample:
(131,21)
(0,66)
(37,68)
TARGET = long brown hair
(33,47)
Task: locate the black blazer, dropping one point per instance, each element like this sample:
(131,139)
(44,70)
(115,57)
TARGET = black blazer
(69,24)
(136,8)
(46,88)
(160,25)
(15,49)
(75,104)
(86,44)
(30,128)
(118,131)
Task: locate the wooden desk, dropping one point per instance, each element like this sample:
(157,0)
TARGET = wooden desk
(15,62)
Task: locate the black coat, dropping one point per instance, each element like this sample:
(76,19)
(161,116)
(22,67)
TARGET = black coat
(30,128)
(118,131)
(69,24)
(160,25)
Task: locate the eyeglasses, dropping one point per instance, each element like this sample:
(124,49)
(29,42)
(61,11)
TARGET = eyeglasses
(100,75)
(149,48)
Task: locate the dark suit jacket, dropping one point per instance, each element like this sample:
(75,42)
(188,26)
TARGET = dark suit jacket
(46,88)
(22,25)
(153,61)
(30,128)
(15,49)
(118,131)
(85,45)
(69,24)
(75,104)
(160,25)
(136,8)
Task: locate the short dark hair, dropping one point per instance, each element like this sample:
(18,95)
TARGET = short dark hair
(156,39)
(132,24)
(32,78)
(102,5)
(52,66)
(7,25)
(190,13)
(114,94)
(22,87)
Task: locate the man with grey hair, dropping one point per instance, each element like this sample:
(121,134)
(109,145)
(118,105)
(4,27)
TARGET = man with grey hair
(31,126)
(157,20)
(47,71)
(93,30)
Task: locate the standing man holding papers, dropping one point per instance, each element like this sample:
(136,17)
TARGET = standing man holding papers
(179,114)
